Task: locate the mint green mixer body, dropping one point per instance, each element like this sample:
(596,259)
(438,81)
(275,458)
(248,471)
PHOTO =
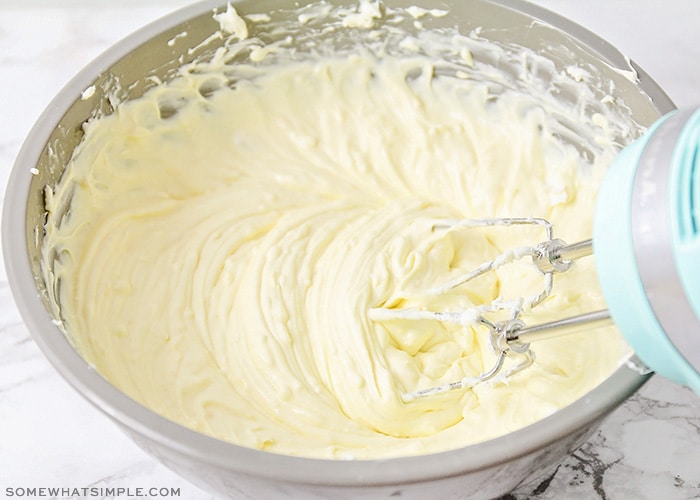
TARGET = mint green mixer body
(646,239)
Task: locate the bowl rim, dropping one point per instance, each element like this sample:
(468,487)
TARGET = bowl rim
(295,469)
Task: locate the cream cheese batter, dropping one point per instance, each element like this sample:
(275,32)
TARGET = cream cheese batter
(225,245)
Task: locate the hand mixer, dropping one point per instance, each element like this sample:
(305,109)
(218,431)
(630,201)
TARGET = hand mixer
(646,238)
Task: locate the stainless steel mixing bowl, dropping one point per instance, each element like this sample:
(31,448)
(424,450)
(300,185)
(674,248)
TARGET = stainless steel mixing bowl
(483,470)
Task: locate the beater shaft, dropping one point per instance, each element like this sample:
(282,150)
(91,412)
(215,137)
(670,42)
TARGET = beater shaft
(555,255)
(560,327)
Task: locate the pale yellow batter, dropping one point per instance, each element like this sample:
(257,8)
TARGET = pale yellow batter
(220,265)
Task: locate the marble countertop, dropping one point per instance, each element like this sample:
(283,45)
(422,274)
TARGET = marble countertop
(649,448)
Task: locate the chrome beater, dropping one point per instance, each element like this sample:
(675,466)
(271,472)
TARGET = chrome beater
(511,337)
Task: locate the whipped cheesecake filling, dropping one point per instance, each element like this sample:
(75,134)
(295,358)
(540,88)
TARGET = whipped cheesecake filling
(217,251)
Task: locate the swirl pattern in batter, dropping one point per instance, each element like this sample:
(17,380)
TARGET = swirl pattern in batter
(219,262)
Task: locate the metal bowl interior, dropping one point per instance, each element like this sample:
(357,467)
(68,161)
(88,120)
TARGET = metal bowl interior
(479,471)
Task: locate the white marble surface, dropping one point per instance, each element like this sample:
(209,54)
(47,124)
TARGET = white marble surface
(49,436)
